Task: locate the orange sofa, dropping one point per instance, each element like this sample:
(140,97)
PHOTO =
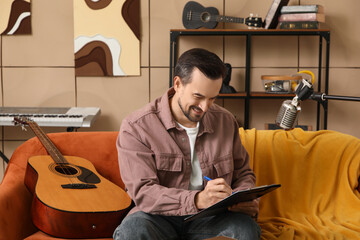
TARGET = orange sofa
(15,199)
(318,171)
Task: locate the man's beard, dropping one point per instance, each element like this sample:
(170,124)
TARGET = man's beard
(187,114)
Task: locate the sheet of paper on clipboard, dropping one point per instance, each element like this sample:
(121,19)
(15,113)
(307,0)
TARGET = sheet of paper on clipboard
(236,197)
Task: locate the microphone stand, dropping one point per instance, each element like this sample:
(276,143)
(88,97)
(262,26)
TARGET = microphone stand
(322,99)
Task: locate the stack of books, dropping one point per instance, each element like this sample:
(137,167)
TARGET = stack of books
(302,17)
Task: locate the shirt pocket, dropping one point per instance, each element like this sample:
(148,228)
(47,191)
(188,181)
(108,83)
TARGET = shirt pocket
(224,165)
(168,162)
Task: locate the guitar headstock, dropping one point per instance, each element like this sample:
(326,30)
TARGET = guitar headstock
(23,121)
(254,21)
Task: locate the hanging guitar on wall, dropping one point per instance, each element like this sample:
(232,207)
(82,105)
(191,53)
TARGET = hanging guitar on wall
(196,16)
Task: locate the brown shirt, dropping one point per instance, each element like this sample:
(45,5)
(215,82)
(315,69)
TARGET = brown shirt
(155,159)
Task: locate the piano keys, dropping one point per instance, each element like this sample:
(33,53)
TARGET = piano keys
(71,117)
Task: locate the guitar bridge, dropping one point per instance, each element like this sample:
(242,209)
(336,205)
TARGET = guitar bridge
(78,186)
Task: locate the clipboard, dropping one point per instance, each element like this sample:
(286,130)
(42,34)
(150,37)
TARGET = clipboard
(236,197)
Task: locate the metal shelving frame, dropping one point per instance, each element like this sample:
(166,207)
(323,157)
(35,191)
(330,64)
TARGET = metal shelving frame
(324,36)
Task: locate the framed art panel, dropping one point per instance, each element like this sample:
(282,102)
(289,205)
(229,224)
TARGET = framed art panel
(107,37)
(15,17)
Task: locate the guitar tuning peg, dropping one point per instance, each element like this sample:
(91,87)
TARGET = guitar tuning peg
(23,128)
(251,15)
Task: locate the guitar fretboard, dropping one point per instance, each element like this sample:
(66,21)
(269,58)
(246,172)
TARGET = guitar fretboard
(47,143)
(221,18)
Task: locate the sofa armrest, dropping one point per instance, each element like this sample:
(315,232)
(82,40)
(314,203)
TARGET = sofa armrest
(15,205)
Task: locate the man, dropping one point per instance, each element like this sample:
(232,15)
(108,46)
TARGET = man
(167,147)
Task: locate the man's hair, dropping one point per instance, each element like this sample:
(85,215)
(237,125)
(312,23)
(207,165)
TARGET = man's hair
(207,62)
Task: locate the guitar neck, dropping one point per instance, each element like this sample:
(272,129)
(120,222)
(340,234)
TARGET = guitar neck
(48,144)
(226,19)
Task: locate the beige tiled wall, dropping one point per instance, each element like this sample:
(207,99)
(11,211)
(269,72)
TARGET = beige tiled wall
(38,70)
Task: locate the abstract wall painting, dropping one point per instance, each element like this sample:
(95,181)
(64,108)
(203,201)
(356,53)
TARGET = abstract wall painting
(15,17)
(107,37)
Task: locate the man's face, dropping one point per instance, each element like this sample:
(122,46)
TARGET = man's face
(196,97)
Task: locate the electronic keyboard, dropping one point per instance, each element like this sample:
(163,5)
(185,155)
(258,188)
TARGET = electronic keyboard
(51,116)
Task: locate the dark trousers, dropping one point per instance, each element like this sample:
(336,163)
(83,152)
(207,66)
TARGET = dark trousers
(141,225)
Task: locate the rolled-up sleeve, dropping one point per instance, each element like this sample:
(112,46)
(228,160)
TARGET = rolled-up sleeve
(139,172)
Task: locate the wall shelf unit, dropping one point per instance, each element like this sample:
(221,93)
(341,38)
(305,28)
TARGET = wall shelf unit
(247,95)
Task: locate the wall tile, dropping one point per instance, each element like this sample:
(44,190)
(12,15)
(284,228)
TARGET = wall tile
(344,40)
(309,51)
(144,33)
(235,50)
(159,82)
(52,40)
(37,87)
(116,97)
(166,15)
(211,43)
(274,51)
(344,115)
(265,51)
(237,80)
(243,9)
(236,107)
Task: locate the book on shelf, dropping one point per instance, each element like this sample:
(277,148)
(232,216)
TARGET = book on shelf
(298,17)
(315,8)
(302,25)
(271,19)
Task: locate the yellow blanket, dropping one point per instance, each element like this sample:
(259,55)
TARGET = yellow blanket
(319,174)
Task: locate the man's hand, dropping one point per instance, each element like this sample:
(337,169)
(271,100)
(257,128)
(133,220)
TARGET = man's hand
(215,191)
(250,208)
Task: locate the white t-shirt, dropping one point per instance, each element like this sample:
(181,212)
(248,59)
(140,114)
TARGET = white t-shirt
(196,181)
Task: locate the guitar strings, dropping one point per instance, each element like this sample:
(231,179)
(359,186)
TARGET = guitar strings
(49,146)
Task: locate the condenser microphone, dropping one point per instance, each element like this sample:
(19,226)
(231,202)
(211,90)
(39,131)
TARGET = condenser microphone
(288,114)
(290,109)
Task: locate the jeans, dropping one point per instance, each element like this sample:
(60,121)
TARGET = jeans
(142,225)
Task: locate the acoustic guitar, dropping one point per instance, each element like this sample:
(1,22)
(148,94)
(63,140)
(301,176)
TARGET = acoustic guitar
(70,198)
(196,16)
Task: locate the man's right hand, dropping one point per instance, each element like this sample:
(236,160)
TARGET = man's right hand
(215,191)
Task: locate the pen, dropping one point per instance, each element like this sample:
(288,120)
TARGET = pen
(207,178)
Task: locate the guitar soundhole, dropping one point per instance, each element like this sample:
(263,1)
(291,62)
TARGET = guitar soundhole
(205,17)
(66,170)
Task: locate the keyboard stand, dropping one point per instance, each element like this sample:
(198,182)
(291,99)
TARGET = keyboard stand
(2,155)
